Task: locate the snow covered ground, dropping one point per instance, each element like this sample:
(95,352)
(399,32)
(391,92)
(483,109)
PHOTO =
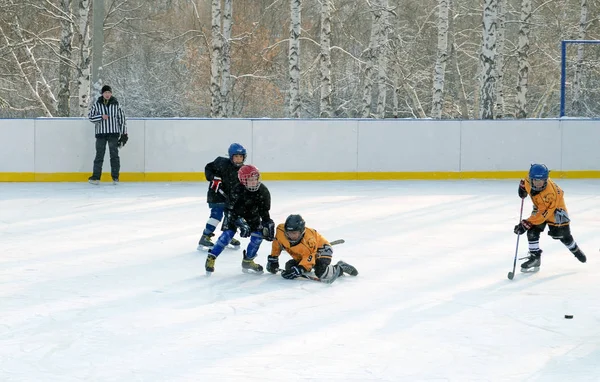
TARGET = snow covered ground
(105,284)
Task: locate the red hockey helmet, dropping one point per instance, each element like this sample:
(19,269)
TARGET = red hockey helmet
(249,176)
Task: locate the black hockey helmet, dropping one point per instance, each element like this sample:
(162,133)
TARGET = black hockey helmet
(294,223)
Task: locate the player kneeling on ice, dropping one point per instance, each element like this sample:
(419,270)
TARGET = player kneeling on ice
(309,250)
(247,210)
(548,208)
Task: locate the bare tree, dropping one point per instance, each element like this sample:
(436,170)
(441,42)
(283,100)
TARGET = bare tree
(382,62)
(523,60)
(84,59)
(442,58)
(325,59)
(371,58)
(294,57)
(578,79)
(64,67)
(226,57)
(500,42)
(488,59)
(215,62)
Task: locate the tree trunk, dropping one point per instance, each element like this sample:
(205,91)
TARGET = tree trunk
(325,104)
(382,51)
(578,78)
(523,60)
(84,64)
(64,68)
(488,59)
(499,108)
(440,63)
(294,58)
(226,76)
(215,61)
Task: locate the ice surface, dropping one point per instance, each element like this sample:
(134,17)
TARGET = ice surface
(103,283)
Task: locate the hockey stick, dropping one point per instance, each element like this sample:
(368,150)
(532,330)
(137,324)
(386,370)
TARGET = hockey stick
(511,275)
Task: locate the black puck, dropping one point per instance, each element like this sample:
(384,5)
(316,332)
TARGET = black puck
(569,316)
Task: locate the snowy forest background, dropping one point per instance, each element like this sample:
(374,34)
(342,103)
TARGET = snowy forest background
(445,59)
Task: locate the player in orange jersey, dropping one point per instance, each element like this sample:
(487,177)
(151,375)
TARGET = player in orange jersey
(309,250)
(548,208)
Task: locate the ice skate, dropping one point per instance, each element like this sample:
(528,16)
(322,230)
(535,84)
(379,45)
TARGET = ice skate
(347,268)
(115,181)
(249,266)
(205,244)
(210,264)
(533,262)
(578,253)
(234,244)
(93,180)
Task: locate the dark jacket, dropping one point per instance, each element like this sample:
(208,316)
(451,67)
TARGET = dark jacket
(253,206)
(115,125)
(227,171)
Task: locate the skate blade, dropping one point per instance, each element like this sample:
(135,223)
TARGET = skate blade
(203,248)
(251,271)
(530,270)
(230,246)
(208,274)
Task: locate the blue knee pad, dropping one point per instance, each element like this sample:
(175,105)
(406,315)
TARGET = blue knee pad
(255,240)
(216,211)
(216,215)
(222,242)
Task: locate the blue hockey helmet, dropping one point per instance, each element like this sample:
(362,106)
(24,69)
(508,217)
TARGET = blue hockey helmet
(538,172)
(237,149)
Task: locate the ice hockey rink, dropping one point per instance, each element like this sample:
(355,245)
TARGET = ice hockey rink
(104,283)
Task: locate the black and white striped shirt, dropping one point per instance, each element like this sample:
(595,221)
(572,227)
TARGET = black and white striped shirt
(115,123)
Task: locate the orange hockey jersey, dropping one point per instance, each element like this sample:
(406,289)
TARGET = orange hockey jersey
(549,205)
(305,252)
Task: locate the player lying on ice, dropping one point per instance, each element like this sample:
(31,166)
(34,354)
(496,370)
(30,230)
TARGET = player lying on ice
(548,208)
(247,210)
(309,250)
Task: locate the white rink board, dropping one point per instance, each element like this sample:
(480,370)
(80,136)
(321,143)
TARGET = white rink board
(305,145)
(186,145)
(17,137)
(581,140)
(406,145)
(67,145)
(509,145)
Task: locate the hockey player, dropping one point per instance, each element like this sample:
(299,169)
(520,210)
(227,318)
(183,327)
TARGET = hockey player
(222,175)
(548,208)
(309,250)
(247,210)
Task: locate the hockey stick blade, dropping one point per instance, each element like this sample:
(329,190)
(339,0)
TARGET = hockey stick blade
(338,241)
(511,275)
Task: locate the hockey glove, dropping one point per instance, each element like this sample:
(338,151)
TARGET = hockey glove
(123,140)
(294,272)
(268,230)
(522,227)
(215,184)
(273,264)
(522,190)
(243,226)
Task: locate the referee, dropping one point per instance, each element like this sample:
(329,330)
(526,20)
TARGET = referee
(111,128)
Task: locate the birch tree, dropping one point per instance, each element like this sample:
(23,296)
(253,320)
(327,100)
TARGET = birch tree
(64,66)
(371,58)
(325,59)
(523,60)
(215,62)
(488,59)
(294,57)
(226,64)
(84,60)
(499,108)
(382,52)
(578,78)
(442,58)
